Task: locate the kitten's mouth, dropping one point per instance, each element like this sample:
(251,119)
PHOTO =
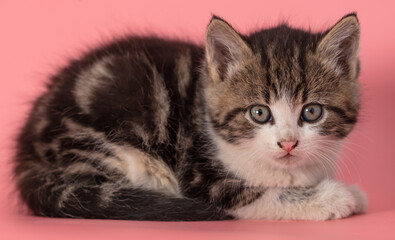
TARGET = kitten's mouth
(286,156)
(287,159)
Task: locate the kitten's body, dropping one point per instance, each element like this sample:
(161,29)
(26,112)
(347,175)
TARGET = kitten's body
(153,129)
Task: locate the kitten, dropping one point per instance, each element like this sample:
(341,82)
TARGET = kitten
(248,126)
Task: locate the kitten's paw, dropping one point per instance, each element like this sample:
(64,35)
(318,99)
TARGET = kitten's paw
(360,197)
(335,200)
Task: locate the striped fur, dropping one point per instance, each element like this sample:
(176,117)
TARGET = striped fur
(152,129)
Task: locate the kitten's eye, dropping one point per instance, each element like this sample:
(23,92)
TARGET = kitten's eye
(311,112)
(260,114)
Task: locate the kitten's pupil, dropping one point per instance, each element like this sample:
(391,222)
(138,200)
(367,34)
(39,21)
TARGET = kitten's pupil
(259,112)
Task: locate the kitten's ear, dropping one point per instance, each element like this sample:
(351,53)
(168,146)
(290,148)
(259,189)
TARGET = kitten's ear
(340,46)
(225,49)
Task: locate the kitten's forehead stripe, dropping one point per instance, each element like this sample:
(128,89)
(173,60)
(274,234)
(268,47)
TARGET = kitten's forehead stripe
(266,96)
(297,91)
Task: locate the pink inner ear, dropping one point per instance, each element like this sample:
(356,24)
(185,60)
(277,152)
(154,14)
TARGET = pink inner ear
(341,43)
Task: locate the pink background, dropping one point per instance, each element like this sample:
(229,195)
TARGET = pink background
(37,37)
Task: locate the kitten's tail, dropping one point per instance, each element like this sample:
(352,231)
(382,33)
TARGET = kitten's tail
(110,200)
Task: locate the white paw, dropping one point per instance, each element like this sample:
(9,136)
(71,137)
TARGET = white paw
(360,197)
(334,200)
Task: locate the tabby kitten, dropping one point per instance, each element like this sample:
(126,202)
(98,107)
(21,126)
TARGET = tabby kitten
(248,126)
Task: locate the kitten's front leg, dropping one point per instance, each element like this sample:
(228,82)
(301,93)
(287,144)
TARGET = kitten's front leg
(328,200)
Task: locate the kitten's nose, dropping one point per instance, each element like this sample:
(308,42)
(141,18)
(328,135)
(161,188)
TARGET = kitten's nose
(287,146)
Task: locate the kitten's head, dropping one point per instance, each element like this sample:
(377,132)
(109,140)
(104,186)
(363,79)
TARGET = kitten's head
(281,98)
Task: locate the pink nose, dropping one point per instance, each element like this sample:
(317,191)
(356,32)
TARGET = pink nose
(288,146)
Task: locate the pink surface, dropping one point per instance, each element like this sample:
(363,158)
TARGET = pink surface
(37,37)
